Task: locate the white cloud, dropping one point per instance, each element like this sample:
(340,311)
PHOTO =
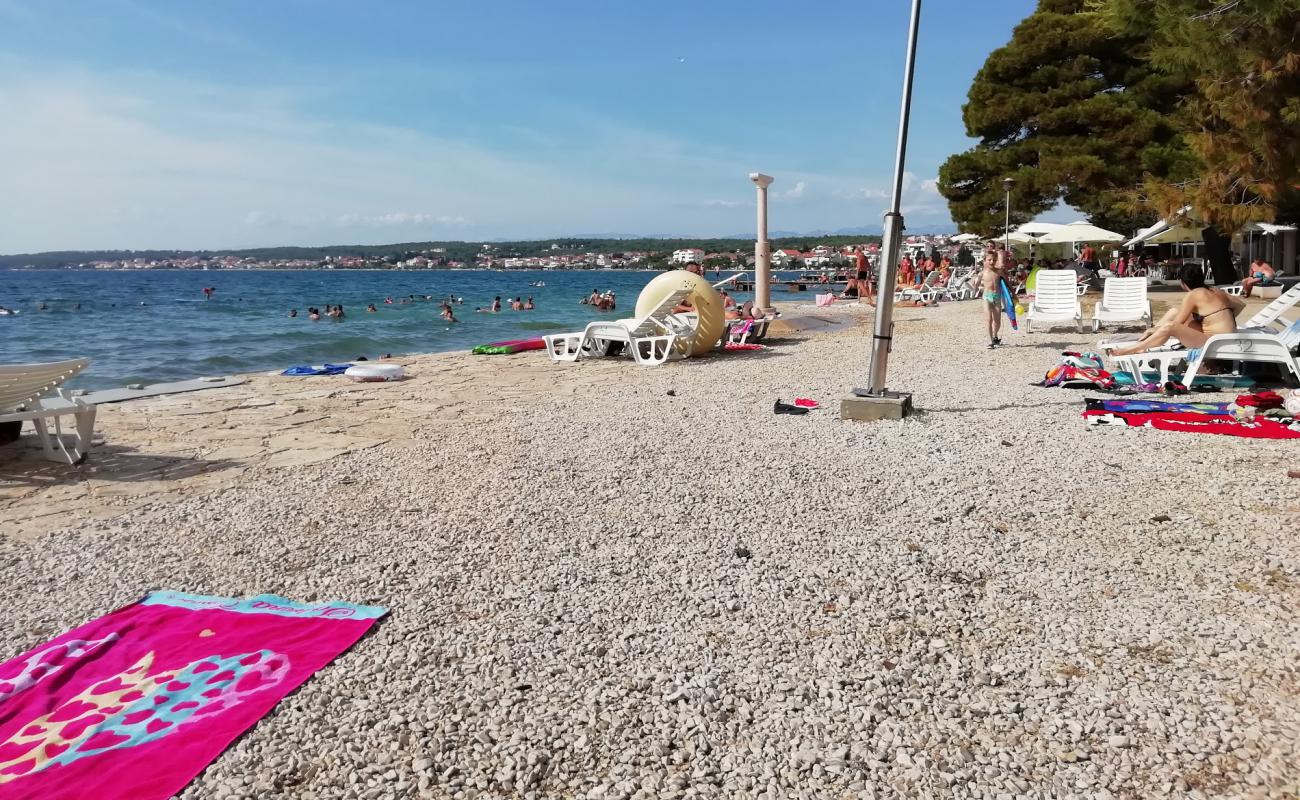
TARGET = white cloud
(166,164)
(865,193)
(794,192)
(143,160)
(400,218)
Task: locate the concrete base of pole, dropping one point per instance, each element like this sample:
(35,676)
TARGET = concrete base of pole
(869,408)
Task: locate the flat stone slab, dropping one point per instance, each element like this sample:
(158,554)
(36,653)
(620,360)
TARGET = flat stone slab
(157,389)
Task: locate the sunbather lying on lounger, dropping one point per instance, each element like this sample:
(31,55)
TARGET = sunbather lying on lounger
(750,311)
(1204,312)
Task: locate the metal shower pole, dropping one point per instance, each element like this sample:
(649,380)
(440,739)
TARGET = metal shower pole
(882,339)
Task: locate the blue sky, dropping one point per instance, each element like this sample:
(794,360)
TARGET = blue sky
(134,124)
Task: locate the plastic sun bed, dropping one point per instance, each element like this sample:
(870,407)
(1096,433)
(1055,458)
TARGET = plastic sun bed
(1256,345)
(1269,319)
(1122,300)
(32,392)
(651,340)
(1056,300)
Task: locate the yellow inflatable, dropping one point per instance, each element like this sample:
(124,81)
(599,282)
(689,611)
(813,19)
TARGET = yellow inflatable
(707,302)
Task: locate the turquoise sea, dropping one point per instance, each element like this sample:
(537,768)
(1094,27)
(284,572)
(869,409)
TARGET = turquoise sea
(155,325)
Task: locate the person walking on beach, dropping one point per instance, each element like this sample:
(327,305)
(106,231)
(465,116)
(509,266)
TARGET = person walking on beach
(991,278)
(1088,257)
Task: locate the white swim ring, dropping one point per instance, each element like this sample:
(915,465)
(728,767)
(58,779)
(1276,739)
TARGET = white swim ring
(368,373)
(705,299)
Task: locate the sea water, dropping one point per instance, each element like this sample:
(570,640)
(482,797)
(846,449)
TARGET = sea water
(148,326)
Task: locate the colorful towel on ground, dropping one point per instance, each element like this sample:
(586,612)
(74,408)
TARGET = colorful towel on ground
(1156,406)
(1066,374)
(134,704)
(1258,428)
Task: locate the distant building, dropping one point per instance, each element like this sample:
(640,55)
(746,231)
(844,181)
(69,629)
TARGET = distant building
(783,258)
(687,254)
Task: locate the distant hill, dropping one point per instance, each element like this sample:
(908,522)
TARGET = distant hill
(455,251)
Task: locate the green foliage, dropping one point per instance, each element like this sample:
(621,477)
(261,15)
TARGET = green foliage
(1243,117)
(1072,112)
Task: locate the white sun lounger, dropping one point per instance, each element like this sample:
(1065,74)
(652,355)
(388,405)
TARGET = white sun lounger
(31,392)
(1271,319)
(926,292)
(1056,299)
(1122,300)
(1256,345)
(651,340)
(959,286)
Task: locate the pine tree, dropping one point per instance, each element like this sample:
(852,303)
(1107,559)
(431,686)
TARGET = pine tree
(1243,117)
(1070,110)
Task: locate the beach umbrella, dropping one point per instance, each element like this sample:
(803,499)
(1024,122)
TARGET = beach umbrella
(1080,232)
(1038,228)
(1180,234)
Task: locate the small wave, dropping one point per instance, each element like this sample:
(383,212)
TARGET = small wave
(542,325)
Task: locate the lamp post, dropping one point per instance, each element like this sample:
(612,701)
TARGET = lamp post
(1007,183)
(876,401)
(762,250)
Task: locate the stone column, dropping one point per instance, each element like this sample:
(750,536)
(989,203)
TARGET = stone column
(762,250)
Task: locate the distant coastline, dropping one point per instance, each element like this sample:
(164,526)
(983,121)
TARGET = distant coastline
(564,253)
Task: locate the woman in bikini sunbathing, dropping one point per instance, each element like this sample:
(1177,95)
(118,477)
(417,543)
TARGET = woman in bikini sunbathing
(1204,312)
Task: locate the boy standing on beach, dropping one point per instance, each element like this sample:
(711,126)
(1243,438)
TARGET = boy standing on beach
(994,272)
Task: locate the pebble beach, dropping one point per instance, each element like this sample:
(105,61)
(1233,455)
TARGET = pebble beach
(615,582)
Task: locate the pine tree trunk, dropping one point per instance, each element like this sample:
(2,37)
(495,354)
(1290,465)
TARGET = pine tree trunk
(1218,249)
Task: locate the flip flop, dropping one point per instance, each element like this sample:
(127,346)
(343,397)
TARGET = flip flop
(786,408)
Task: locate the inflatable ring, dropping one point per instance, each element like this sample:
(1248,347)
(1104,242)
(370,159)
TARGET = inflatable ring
(375,372)
(705,299)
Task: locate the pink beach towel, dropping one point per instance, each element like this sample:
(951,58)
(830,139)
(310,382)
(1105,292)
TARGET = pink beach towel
(134,704)
(824,300)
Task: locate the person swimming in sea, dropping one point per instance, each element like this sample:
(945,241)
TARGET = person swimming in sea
(496,304)
(528,304)
(370,309)
(293,312)
(313,314)
(447,313)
